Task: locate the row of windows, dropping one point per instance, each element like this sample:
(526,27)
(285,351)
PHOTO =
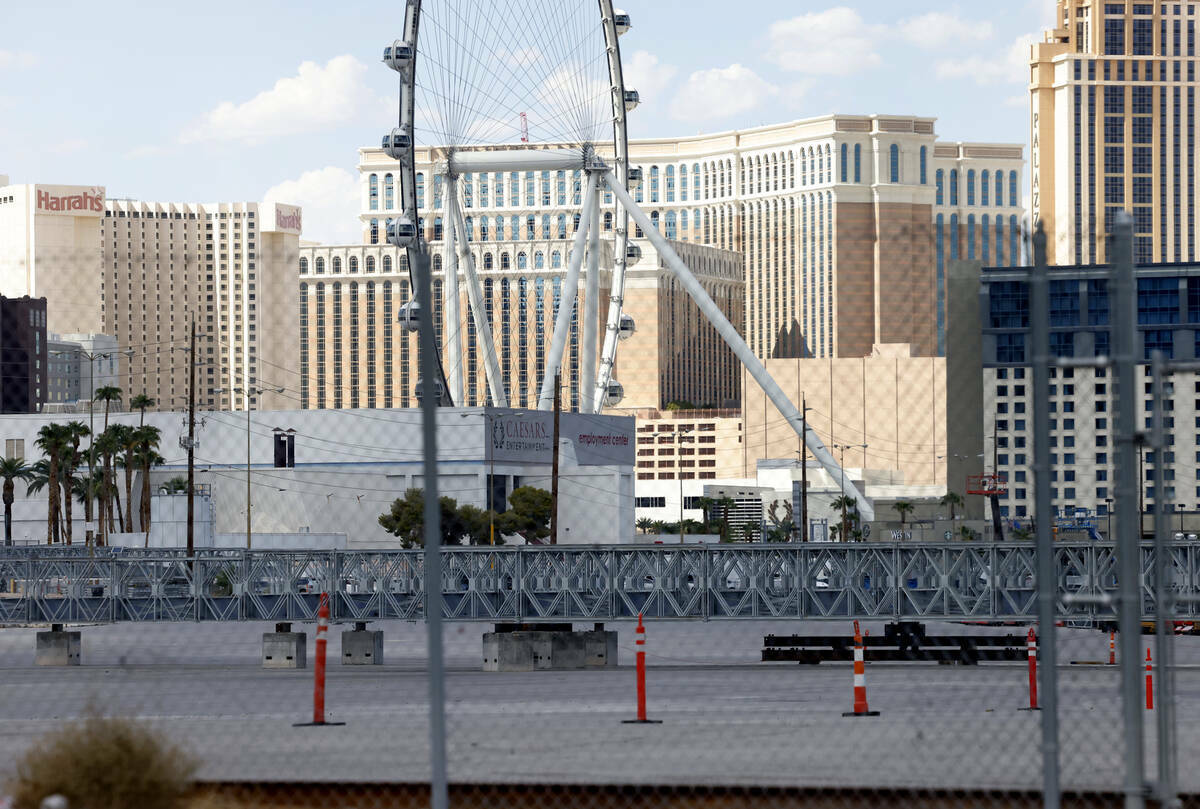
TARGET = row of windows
(988,181)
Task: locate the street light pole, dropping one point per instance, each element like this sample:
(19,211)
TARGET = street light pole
(248,392)
(679,471)
(842,462)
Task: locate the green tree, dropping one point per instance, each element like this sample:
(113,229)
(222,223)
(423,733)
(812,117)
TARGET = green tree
(951,499)
(141,402)
(782,525)
(129,446)
(478,524)
(903,508)
(11,470)
(108,444)
(107,394)
(76,431)
(679,404)
(406,520)
(528,514)
(53,440)
(966,533)
(176,485)
(844,504)
(726,504)
(147,456)
(707,504)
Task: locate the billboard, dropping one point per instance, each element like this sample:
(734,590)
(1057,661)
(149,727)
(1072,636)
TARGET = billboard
(68,200)
(283,218)
(527,436)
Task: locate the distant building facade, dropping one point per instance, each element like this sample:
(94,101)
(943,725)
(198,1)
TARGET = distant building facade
(23,355)
(844,222)
(1114,127)
(140,271)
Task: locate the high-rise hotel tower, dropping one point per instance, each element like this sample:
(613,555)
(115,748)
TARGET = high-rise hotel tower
(1114,127)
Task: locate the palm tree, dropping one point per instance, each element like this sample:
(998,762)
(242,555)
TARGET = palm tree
(645,524)
(951,499)
(11,469)
(176,485)
(107,394)
(76,430)
(903,508)
(141,402)
(146,457)
(129,444)
(726,503)
(108,444)
(53,440)
(844,504)
(38,478)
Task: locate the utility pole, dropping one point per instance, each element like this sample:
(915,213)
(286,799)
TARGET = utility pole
(191,443)
(554,461)
(803,468)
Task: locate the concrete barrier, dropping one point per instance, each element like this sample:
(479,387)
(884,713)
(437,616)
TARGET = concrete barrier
(361,647)
(548,649)
(284,649)
(57,648)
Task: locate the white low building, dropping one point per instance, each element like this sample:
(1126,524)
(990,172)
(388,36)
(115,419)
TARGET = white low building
(337,471)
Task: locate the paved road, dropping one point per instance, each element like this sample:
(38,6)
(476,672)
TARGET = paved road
(727,719)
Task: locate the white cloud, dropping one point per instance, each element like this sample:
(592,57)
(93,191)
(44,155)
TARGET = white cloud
(835,41)
(720,93)
(67,146)
(1021,100)
(329,197)
(1011,66)
(937,29)
(643,72)
(17,60)
(316,98)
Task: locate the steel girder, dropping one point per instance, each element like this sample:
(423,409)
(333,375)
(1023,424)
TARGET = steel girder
(892,581)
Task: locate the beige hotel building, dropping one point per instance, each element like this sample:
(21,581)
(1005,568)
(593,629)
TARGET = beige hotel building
(1114,126)
(844,223)
(139,271)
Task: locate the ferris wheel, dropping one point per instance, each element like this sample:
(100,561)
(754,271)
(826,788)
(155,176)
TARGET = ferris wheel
(521,88)
(536,87)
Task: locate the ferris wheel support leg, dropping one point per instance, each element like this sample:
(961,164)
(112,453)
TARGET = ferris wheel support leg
(729,334)
(483,331)
(453,309)
(591,309)
(566,302)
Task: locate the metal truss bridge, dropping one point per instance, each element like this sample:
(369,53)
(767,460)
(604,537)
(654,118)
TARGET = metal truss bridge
(925,581)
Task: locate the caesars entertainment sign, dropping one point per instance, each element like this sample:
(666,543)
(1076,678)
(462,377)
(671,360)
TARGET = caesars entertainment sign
(68,200)
(527,436)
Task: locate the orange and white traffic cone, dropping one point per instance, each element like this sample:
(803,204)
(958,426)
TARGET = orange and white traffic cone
(860,679)
(640,644)
(319,669)
(1112,648)
(1031,645)
(1149,683)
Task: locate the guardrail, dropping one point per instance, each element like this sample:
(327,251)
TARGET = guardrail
(819,581)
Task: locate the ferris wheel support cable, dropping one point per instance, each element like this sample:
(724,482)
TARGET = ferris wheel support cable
(730,335)
(453,311)
(566,302)
(483,330)
(591,306)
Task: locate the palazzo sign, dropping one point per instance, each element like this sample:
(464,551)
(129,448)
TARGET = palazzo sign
(527,436)
(69,200)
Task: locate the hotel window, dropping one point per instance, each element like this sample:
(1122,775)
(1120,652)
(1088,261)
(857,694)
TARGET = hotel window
(894,163)
(923,165)
(845,162)
(374,231)
(953,186)
(420,189)
(373,184)
(983,188)
(971,187)
(389,192)
(858,162)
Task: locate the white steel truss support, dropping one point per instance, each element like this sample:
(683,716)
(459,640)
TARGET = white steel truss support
(591,309)
(566,301)
(483,331)
(454,354)
(729,334)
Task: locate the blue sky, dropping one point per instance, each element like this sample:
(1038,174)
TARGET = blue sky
(241,100)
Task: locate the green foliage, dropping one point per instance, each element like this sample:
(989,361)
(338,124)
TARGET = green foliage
(645,524)
(528,514)
(680,404)
(406,519)
(176,485)
(951,499)
(903,508)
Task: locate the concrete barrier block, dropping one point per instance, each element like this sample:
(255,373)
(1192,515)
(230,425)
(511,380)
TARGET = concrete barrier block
(600,647)
(507,651)
(362,648)
(284,650)
(57,648)
(567,650)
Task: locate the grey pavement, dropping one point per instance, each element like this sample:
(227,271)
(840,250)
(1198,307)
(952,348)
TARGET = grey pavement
(727,718)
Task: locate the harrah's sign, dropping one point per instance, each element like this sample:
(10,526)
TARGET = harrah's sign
(287,218)
(58,199)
